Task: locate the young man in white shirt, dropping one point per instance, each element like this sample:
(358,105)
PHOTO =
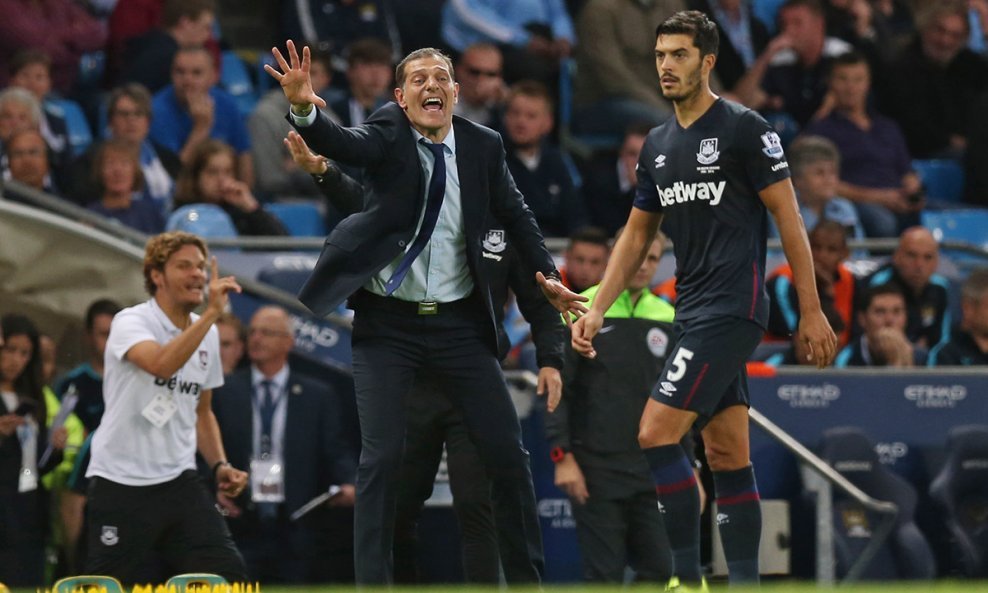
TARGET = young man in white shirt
(161,364)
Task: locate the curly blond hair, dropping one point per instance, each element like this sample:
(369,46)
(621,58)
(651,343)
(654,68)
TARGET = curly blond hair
(161,247)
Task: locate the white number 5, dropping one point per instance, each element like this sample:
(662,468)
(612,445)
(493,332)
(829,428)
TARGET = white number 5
(679,364)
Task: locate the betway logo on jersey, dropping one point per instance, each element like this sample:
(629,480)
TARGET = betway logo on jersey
(681,192)
(174,383)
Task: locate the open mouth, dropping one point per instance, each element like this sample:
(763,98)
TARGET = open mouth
(433,104)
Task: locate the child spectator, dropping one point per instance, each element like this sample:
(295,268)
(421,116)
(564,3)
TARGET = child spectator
(815,164)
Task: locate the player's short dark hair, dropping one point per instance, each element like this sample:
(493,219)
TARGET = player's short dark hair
(532,89)
(174,10)
(369,50)
(695,24)
(590,234)
(100,307)
(814,6)
(975,287)
(873,292)
(28,57)
(809,149)
(425,52)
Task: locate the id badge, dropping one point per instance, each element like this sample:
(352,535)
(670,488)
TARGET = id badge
(27,481)
(267,479)
(160,410)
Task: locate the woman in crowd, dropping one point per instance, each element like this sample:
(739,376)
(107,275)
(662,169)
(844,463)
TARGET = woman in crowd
(117,173)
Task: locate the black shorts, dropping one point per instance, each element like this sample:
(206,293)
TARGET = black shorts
(705,373)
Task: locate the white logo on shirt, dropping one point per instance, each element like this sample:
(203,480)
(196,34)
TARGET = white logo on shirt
(494,241)
(606,329)
(708,151)
(660,161)
(687,192)
(108,536)
(773,145)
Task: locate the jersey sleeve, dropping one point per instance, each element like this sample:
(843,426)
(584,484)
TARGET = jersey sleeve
(764,159)
(214,377)
(646,194)
(128,329)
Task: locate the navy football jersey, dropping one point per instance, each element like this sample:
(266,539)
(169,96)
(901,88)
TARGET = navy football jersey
(705,181)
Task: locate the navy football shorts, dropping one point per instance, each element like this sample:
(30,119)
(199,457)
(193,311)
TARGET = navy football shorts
(705,373)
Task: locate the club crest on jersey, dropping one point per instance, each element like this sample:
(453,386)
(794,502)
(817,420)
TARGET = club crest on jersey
(773,145)
(109,536)
(494,241)
(203,359)
(708,151)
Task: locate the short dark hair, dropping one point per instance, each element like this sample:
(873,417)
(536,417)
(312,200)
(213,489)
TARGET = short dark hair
(100,307)
(425,52)
(848,58)
(174,10)
(27,57)
(590,234)
(533,89)
(695,24)
(814,6)
(873,292)
(975,287)
(826,225)
(369,50)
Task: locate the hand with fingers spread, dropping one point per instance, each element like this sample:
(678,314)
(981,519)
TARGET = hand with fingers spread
(816,333)
(563,299)
(550,384)
(308,161)
(219,289)
(294,78)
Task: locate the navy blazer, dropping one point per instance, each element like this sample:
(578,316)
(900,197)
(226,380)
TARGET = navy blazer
(365,242)
(315,450)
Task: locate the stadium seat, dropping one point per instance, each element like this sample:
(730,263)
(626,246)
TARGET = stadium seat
(194,580)
(93,583)
(943,179)
(235,79)
(302,219)
(961,489)
(205,220)
(80,136)
(969,225)
(906,553)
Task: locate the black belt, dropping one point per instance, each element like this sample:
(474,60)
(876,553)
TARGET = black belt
(365,297)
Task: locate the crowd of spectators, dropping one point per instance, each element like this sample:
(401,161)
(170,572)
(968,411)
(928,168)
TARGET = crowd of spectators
(857,89)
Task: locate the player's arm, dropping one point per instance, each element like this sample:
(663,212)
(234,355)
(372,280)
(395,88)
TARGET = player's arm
(163,361)
(627,257)
(780,200)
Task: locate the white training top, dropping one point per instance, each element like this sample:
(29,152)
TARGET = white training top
(127,448)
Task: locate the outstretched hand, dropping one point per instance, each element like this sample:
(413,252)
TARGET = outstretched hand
(308,161)
(294,77)
(563,299)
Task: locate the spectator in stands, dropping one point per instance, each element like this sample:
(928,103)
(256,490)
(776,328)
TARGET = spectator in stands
(210,178)
(816,165)
(533,35)
(791,74)
(585,259)
(275,170)
(883,341)
(332,25)
(27,161)
(86,381)
(368,74)
(286,426)
(24,437)
(876,170)
(117,171)
(19,111)
(609,181)
(31,70)
(62,29)
(861,25)
(48,350)
(233,341)
(968,344)
(913,271)
(742,37)
(149,57)
(834,282)
(192,109)
(931,87)
(129,118)
(616,83)
(544,174)
(482,90)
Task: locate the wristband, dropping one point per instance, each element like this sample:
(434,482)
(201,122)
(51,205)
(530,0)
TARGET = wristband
(218,465)
(557,454)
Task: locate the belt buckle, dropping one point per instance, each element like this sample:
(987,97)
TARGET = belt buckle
(428,308)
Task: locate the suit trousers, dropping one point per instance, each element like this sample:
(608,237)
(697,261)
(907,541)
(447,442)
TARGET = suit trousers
(391,346)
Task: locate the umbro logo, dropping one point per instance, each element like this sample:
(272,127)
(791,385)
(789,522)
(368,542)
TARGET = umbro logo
(667,386)
(723,519)
(660,161)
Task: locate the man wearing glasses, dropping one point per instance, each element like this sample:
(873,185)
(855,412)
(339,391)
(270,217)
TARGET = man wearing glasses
(482,88)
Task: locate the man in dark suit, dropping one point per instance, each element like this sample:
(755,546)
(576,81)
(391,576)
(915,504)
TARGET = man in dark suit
(411,261)
(276,416)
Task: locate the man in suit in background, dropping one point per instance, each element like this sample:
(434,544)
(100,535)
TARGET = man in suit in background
(274,416)
(410,263)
